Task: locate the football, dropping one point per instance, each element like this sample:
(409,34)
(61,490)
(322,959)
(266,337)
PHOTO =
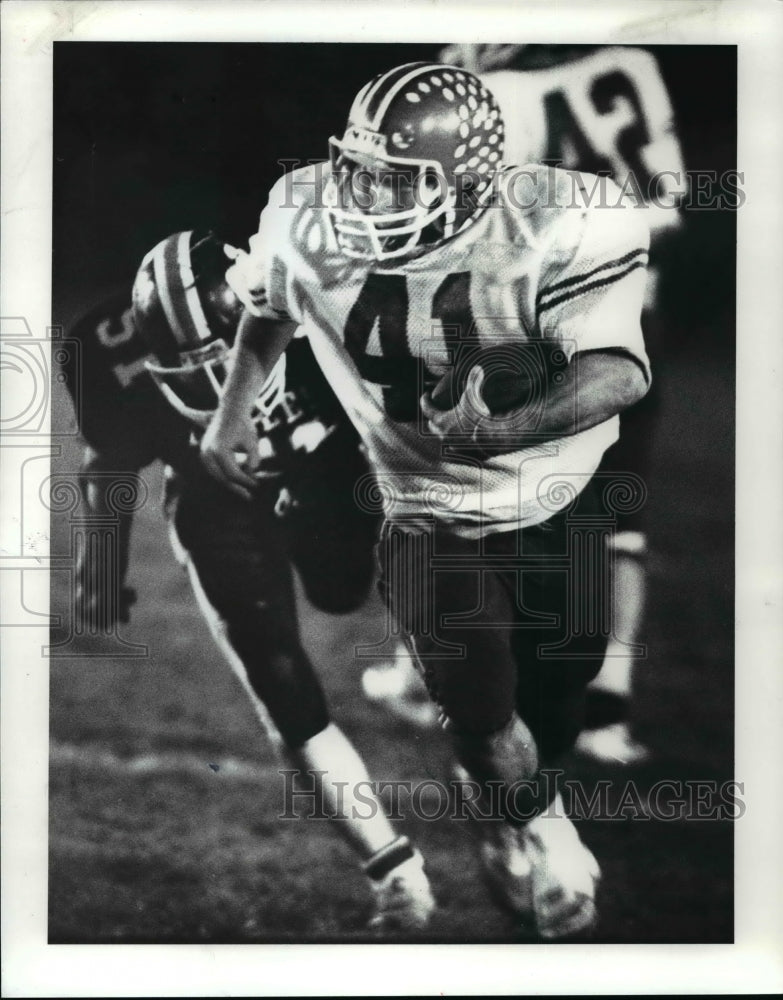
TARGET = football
(516,375)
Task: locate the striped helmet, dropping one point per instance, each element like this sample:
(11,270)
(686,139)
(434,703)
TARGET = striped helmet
(187,313)
(435,129)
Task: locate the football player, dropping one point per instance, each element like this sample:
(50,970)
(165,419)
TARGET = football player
(154,369)
(481,326)
(602,109)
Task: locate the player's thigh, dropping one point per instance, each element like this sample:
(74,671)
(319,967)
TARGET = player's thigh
(236,547)
(454,614)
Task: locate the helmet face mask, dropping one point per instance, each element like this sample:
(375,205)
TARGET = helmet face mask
(363,228)
(187,313)
(437,130)
(194,386)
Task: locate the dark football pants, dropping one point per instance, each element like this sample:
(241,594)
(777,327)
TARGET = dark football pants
(515,621)
(242,553)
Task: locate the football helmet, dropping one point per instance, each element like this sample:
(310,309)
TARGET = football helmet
(435,134)
(188,315)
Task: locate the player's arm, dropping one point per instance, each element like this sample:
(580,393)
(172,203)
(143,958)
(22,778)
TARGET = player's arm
(596,386)
(588,308)
(229,448)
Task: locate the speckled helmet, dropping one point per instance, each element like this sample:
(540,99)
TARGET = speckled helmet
(443,128)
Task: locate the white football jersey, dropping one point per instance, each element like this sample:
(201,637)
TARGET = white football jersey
(607,110)
(558,256)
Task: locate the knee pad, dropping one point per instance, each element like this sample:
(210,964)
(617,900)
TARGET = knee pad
(507,754)
(505,765)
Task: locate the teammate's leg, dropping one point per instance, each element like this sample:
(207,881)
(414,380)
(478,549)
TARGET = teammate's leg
(608,734)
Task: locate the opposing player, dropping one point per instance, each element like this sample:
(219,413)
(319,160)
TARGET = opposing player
(604,109)
(482,328)
(153,374)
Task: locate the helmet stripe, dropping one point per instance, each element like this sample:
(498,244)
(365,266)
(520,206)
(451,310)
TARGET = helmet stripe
(375,102)
(358,112)
(192,299)
(169,284)
(366,103)
(162,283)
(177,290)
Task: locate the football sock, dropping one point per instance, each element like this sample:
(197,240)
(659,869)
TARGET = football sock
(388,858)
(337,772)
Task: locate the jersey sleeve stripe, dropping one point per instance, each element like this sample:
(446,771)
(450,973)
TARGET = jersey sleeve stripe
(606,266)
(591,286)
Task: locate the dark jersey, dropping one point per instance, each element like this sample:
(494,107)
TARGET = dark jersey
(119,409)
(123,415)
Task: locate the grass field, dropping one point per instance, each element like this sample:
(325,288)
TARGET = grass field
(164,796)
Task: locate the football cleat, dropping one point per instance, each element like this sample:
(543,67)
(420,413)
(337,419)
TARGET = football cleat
(398,689)
(507,870)
(564,876)
(506,866)
(403,898)
(612,745)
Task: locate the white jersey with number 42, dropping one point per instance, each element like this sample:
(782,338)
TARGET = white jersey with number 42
(605,111)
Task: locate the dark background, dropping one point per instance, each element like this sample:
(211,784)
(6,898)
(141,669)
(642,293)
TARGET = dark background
(147,841)
(154,138)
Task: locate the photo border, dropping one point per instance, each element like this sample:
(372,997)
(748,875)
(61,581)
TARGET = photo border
(754,963)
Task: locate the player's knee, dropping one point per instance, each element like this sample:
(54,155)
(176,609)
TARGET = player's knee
(287,685)
(506,760)
(511,746)
(343,584)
